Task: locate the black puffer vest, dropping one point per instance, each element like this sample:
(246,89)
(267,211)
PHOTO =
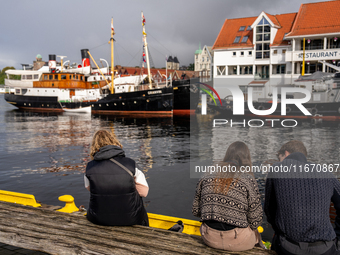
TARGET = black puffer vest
(114,199)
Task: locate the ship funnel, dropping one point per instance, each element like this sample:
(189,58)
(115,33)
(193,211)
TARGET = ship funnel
(52,63)
(85,57)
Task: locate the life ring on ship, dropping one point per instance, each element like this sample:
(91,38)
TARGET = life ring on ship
(314,111)
(288,110)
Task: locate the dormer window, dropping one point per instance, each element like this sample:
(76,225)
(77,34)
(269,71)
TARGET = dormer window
(248,28)
(263,39)
(242,28)
(237,39)
(263,22)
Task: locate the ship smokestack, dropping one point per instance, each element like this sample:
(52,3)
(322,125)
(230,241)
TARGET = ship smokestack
(85,57)
(52,63)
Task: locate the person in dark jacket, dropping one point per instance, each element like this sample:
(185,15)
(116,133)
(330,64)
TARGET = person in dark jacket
(115,183)
(297,202)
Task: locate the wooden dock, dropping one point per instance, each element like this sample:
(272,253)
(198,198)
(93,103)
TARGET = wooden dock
(44,229)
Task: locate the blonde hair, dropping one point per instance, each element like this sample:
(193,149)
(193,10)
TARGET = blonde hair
(103,138)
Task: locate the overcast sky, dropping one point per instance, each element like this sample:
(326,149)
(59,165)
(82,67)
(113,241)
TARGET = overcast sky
(64,27)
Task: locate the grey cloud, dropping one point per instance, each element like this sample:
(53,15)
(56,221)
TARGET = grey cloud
(174,27)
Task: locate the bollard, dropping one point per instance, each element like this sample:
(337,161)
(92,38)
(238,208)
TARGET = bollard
(69,207)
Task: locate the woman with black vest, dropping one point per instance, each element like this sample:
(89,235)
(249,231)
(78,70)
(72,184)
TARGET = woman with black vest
(115,183)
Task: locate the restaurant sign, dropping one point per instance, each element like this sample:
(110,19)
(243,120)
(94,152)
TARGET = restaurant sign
(319,55)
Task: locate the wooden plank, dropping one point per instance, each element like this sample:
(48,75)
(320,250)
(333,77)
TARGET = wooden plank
(60,233)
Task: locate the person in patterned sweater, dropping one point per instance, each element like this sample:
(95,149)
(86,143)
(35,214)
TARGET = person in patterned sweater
(229,204)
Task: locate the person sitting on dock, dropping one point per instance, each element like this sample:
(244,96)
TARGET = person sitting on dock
(297,204)
(229,204)
(115,183)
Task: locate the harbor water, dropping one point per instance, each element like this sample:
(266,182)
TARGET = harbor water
(45,154)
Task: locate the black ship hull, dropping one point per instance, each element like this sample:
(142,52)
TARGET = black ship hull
(146,102)
(42,103)
(186,96)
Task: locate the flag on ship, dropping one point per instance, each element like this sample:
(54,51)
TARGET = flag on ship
(143,19)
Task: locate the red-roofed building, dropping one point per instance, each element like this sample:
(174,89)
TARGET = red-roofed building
(267,50)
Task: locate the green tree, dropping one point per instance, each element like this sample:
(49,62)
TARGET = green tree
(3,74)
(191,67)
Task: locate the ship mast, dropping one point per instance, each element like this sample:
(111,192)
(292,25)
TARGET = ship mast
(112,57)
(146,51)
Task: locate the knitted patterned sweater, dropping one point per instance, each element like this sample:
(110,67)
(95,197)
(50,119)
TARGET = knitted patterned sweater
(241,207)
(297,203)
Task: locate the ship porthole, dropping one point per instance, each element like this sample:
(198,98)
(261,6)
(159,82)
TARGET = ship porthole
(100,105)
(123,103)
(314,111)
(25,104)
(42,105)
(115,104)
(288,109)
(107,104)
(147,100)
(92,105)
(48,105)
(29,104)
(136,103)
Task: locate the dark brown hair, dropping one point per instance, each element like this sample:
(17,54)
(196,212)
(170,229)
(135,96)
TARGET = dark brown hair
(237,155)
(293,146)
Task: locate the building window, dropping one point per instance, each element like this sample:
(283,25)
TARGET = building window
(246,70)
(237,39)
(312,44)
(234,53)
(312,67)
(275,52)
(283,51)
(220,70)
(262,39)
(232,70)
(262,50)
(244,39)
(250,53)
(242,53)
(334,43)
(36,76)
(242,28)
(248,28)
(279,69)
(196,56)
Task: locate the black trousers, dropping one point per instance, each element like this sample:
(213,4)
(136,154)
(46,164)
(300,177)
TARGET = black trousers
(282,246)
